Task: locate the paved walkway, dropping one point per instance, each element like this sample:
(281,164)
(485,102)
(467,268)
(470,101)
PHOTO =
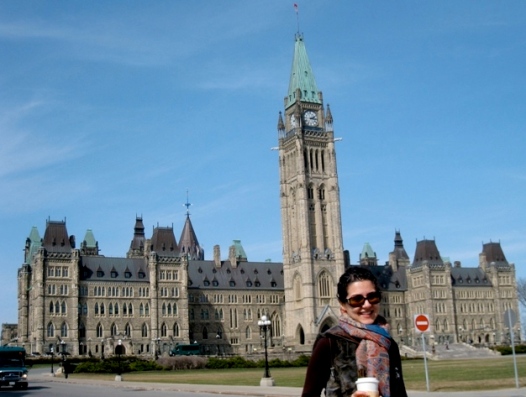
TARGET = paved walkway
(259,391)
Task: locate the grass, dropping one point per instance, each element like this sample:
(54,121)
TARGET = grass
(454,375)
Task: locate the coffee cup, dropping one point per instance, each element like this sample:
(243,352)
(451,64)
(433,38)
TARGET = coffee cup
(368,385)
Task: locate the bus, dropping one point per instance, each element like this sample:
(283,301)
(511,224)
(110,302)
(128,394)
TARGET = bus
(13,371)
(186,350)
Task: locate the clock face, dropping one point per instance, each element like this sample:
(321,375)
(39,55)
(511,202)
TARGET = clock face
(310,118)
(293,121)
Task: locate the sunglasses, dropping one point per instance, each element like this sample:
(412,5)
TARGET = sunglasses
(359,300)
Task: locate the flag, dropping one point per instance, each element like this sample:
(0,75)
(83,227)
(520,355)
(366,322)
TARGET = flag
(296,7)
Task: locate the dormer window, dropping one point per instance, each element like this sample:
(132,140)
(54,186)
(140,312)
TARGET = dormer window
(127,274)
(141,274)
(100,273)
(114,274)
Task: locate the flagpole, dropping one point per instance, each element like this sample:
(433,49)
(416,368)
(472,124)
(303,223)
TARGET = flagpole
(297,16)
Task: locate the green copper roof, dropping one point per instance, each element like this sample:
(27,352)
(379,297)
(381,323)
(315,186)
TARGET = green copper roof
(301,76)
(240,252)
(367,252)
(89,238)
(35,242)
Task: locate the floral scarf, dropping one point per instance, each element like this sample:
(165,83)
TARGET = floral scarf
(372,353)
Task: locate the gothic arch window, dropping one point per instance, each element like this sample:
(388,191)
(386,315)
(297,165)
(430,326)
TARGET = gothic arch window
(163,330)
(64,330)
(82,330)
(147,310)
(57,307)
(176,330)
(116,308)
(130,309)
(169,309)
(124,309)
(85,309)
(248,333)
(144,330)
(310,192)
(275,325)
(321,193)
(141,310)
(323,161)
(163,310)
(102,309)
(127,330)
(113,329)
(50,330)
(63,307)
(96,309)
(100,331)
(324,285)
(205,333)
(110,309)
(51,306)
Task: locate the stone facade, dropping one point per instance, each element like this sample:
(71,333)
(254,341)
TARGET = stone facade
(163,292)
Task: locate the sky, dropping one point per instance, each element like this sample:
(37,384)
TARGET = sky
(113,109)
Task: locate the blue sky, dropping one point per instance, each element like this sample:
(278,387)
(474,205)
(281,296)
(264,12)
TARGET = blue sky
(117,108)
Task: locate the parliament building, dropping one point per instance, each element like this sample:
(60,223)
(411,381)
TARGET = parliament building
(163,291)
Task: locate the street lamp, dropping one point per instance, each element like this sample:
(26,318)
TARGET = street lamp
(118,378)
(52,372)
(263,326)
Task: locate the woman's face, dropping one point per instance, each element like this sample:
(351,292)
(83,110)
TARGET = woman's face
(367,312)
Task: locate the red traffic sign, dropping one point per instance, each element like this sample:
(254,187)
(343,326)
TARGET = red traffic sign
(422,322)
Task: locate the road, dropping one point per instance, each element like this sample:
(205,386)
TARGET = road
(41,383)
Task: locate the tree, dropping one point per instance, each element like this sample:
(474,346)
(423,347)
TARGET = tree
(521,291)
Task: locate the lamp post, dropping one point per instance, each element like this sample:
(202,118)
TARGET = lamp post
(263,326)
(52,372)
(118,378)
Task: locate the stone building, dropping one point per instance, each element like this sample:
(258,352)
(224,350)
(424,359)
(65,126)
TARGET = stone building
(164,292)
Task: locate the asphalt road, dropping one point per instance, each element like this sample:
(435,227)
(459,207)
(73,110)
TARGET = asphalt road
(41,383)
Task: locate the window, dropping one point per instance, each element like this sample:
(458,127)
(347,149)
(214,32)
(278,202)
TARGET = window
(50,330)
(113,330)
(144,331)
(176,330)
(127,274)
(163,330)
(100,273)
(127,330)
(324,285)
(100,331)
(64,330)
(114,274)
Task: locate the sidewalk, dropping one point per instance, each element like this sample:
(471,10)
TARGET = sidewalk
(259,391)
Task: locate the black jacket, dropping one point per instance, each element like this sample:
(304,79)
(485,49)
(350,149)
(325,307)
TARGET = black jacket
(334,353)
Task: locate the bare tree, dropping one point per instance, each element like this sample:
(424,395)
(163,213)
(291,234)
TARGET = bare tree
(521,291)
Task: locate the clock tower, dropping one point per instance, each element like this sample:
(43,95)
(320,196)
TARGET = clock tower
(313,257)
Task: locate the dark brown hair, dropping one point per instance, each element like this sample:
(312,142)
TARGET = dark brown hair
(351,275)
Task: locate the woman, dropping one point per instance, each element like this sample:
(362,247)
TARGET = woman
(360,345)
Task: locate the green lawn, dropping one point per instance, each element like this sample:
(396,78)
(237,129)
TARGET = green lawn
(455,375)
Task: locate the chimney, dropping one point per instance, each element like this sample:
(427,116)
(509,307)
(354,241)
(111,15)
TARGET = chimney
(217,256)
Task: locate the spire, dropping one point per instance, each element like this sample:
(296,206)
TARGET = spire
(33,243)
(302,85)
(188,244)
(328,119)
(137,244)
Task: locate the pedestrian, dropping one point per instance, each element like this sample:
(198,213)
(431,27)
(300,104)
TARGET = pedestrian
(359,345)
(65,366)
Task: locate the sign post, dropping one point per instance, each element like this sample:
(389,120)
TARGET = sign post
(511,318)
(422,325)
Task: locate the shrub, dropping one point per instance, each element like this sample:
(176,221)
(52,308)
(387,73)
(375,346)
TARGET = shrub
(182,362)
